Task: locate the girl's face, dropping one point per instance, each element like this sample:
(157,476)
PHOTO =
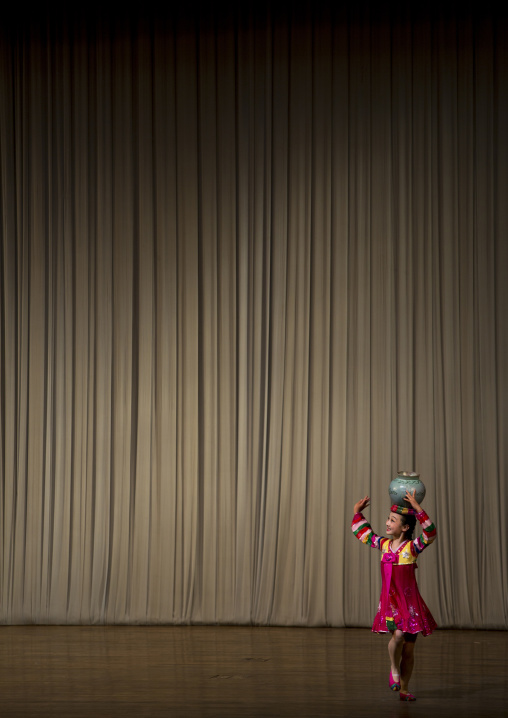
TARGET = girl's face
(395,525)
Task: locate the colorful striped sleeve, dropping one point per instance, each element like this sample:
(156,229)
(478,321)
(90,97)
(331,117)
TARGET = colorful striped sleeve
(363,532)
(428,535)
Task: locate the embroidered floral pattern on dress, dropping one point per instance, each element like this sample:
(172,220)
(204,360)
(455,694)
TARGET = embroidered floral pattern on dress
(413,626)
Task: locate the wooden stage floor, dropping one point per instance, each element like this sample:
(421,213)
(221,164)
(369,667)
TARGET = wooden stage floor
(243,672)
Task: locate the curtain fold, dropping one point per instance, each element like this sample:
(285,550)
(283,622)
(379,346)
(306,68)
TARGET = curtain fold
(253,263)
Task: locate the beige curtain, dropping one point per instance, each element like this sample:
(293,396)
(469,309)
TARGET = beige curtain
(253,263)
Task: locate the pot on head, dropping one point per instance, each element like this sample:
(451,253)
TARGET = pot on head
(406,481)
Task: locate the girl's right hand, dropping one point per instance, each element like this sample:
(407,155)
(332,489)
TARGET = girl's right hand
(362,504)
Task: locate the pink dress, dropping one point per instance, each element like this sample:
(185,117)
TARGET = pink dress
(400,605)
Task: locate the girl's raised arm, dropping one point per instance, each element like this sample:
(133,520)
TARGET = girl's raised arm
(428,528)
(428,532)
(361,527)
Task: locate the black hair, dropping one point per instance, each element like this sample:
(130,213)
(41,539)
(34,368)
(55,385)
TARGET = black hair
(410,520)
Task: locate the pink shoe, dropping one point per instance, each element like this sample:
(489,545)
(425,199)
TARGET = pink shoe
(394,685)
(407,696)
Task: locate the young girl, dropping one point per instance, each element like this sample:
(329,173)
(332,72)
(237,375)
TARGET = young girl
(401,610)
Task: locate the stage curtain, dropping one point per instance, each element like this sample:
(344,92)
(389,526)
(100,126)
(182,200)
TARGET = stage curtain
(254,260)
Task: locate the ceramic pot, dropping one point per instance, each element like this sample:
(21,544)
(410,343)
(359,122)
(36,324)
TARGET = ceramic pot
(406,481)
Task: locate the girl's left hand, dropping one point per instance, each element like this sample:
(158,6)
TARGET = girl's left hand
(410,498)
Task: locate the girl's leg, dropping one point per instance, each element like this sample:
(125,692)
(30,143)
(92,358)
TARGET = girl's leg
(407,661)
(395,647)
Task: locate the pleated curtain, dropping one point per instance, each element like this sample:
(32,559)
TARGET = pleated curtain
(254,261)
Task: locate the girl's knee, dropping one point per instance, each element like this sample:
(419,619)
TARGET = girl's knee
(398,636)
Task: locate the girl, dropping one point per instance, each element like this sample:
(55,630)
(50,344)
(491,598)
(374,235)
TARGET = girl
(401,610)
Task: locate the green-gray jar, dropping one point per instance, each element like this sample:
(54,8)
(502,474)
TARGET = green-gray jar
(406,481)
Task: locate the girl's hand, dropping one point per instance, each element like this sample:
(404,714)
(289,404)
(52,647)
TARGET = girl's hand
(410,498)
(362,504)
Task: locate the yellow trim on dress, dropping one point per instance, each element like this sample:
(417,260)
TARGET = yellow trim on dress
(405,554)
